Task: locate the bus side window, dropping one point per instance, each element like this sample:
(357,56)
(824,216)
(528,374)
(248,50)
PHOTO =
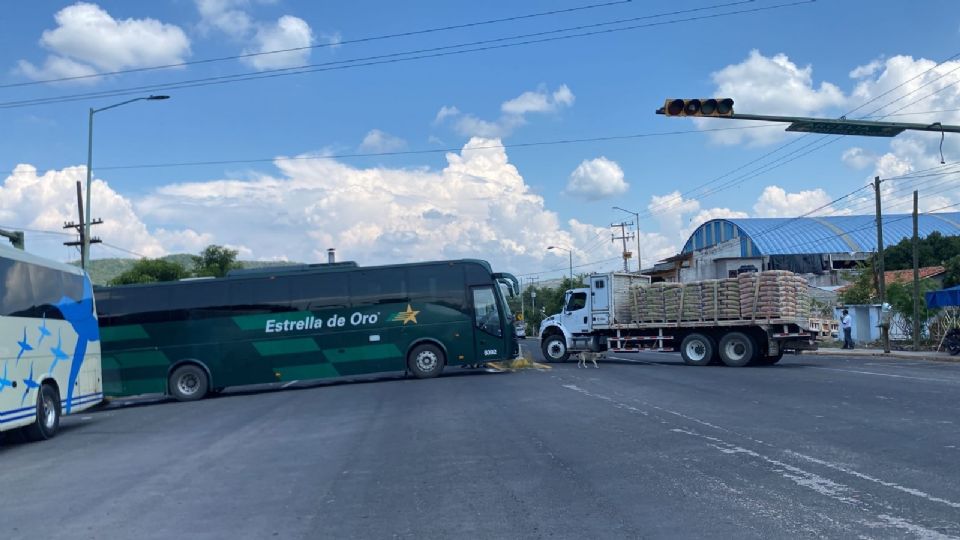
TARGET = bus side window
(438,284)
(316,292)
(486,314)
(378,286)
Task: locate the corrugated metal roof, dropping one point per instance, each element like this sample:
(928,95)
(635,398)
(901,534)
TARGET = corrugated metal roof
(831,234)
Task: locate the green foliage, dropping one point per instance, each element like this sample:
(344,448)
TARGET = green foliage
(548,301)
(934,250)
(215,261)
(863,290)
(900,298)
(953,271)
(151,270)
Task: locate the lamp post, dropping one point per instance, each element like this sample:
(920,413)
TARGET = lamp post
(569,253)
(636,216)
(85,244)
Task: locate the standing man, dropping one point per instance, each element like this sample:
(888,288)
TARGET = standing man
(847,324)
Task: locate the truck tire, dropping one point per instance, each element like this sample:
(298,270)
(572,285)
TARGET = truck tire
(189,382)
(697,350)
(48,415)
(425,361)
(555,349)
(737,349)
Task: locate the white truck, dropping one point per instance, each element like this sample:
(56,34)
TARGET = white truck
(599,318)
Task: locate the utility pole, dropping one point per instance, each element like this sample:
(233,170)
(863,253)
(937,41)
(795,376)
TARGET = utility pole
(636,217)
(916,274)
(81,230)
(624,236)
(881,278)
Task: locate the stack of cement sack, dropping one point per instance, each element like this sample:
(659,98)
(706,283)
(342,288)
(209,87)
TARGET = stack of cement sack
(683,302)
(721,299)
(648,303)
(773,294)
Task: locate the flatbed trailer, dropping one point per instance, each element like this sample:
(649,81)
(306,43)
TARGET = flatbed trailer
(597,319)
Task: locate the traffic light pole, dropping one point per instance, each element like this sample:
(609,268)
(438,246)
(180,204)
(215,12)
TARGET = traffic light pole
(835,126)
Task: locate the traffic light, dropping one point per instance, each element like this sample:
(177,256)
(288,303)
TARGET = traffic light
(697,107)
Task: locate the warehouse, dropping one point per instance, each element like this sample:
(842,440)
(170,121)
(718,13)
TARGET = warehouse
(819,247)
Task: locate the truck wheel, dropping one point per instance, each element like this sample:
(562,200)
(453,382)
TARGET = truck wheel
(697,350)
(736,349)
(189,383)
(555,349)
(771,360)
(425,361)
(48,415)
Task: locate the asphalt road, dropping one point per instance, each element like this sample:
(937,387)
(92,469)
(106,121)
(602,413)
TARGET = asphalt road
(641,447)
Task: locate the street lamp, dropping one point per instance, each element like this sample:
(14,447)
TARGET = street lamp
(636,216)
(85,244)
(569,253)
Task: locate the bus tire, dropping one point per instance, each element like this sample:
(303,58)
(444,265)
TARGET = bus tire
(189,382)
(697,350)
(425,361)
(737,349)
(555,349)
(48,415)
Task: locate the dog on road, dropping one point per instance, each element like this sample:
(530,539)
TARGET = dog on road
(587,356)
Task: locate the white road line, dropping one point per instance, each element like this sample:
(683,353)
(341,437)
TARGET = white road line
(291,383)
(808,479)
(884,374)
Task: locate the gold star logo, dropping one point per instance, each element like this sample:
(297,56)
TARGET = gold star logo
(406,316)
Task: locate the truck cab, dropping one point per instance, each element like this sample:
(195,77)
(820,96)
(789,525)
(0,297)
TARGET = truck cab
(586,309)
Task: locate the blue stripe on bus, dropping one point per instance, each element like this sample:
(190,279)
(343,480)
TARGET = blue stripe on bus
(21,417)
(75,401)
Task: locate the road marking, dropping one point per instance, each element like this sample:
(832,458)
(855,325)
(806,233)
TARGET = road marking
(802,477)
(291,383)
(882,374)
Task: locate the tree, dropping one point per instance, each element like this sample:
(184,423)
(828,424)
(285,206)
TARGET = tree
(953,271)
(900,298)
(150,271)
(933,250)
(215,261)
(863,289)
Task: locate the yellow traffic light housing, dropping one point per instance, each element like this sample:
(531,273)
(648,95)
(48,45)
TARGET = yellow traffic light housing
(697,107)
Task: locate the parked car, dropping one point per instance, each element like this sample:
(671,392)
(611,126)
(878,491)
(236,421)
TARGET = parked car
(521,330)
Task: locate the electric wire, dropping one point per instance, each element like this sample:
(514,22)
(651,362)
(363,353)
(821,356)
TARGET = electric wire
(435,52)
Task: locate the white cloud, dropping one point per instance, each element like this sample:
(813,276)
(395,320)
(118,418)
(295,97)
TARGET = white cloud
(539,101)
(777,202)
(858,158)
(288,32)
(770,85)
(514,112)
(445,112)
(46,201)
(597,179)
(380,141)
(678,216)
(866,70)
(87,38)
(478,205)
(227,16)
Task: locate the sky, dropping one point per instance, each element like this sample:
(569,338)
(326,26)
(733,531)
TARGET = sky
(408,131)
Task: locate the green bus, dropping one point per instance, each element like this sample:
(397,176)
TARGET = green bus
(290,323)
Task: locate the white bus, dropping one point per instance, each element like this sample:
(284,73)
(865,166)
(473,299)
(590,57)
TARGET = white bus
(49,343)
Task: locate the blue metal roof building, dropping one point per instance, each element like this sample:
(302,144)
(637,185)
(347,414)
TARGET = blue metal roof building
(816,235)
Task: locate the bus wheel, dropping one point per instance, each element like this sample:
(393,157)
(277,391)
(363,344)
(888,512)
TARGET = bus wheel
(188,383)
(555,349)
(697,350)
(736,349)
(425,361)
(48,415)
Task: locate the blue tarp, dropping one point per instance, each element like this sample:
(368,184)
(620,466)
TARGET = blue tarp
(945,298)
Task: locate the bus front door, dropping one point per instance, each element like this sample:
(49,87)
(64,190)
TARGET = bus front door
(488,326)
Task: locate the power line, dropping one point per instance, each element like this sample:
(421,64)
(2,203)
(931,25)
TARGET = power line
(421,151)
(391,58)
(565,268)
(341,43)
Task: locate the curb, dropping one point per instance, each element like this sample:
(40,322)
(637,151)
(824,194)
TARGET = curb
(891,354)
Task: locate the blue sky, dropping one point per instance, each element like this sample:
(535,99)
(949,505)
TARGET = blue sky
(503,204)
